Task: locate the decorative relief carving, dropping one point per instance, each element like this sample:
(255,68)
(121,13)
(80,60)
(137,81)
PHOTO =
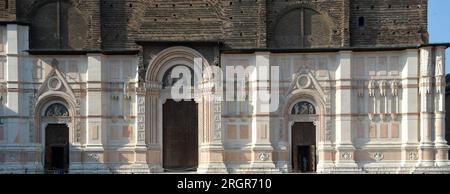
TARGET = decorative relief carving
(303,81)
(378,156)
(303,108)
(54,83)
(371,117)
(141,113)
(425,61)
(440,55)
(77,119)
(394,116)
(93,157)
(347,156)
(217,119)
(141,136)
(56,110)
(329,132)
(383,117)
(413,156)
(32,122)
(263,156)
(395,87)
(383,87)
(316,123)
(372,87)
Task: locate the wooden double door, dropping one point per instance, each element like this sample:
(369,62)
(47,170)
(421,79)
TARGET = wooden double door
(180,136)
(304,148)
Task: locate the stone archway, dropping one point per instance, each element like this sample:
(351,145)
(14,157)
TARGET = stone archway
(303,141)
(156,95)
(54,113)
(318,120)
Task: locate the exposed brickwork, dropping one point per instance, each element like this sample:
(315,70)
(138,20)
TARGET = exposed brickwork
(330,9)
(388,22)
(117,24)
(89,9)
(7,10)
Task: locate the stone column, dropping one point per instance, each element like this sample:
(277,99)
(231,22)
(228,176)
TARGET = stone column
(153,124)
(426,147)
(211,150)
(409,114)
(345,151)
(262,150)
(439,109)
(94,157)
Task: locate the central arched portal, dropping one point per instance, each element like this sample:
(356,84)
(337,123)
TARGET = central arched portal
(303,138)
(177,115)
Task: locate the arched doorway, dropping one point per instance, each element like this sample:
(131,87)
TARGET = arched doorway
(56,119)
(161,109)
(179,118)
(303,137)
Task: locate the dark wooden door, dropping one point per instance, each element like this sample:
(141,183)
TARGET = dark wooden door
(303,147)
(57,147)
(180,136)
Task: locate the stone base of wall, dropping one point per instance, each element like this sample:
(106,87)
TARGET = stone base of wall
(21,169)
(99,168)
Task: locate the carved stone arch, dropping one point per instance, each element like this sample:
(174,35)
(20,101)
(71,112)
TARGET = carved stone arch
(49,98)
(164,61)
(319,119)
(307,95)
(329,21)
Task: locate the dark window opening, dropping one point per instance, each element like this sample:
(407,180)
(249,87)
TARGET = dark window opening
(361,22)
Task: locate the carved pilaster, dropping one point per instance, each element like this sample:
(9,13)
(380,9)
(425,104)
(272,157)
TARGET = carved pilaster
(211,158)
(441,146)
(426,147)
(141,95)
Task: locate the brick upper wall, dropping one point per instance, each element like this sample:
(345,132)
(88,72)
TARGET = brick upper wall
(388,22)
(89,9)
(117,24)
(7,10)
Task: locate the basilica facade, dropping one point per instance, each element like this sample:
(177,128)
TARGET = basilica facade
(86,87)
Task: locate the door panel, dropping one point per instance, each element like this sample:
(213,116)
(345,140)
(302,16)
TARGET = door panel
(180,136)
(57,147)
(303,147)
